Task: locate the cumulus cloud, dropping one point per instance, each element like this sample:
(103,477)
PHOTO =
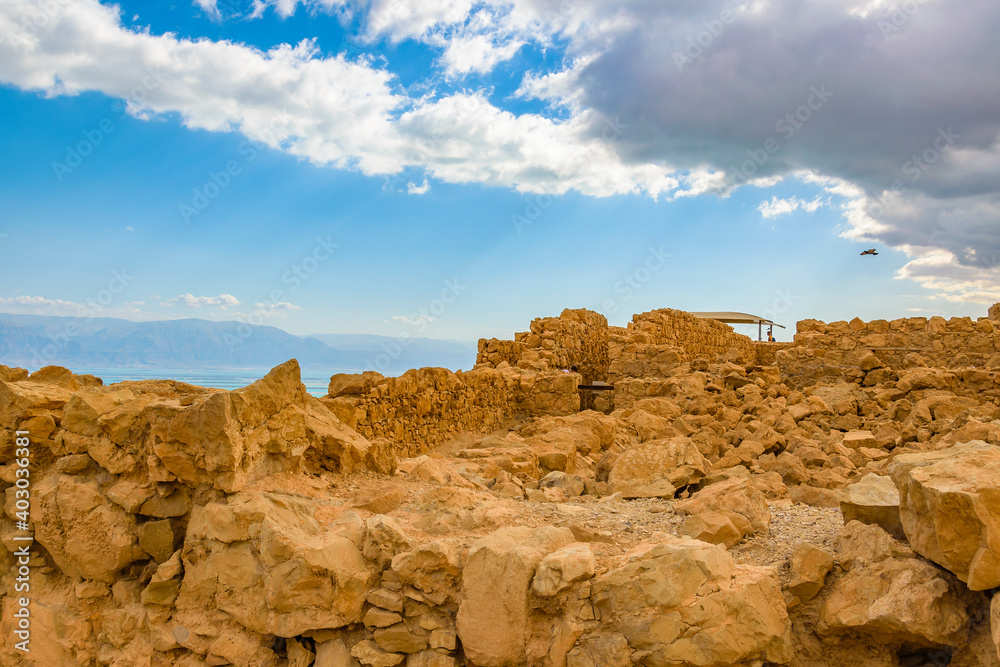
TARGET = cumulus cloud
(887,105)
(414,189)
(221,302)
(39,305)
(276,309)
(210,7)
(329,110)
(777,207)
(412,320)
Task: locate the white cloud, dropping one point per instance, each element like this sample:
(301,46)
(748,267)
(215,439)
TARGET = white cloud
(221,302)
(277,309)
(477,53)
(776,207)
(328,110)
(210,7)
(414,189)
(38,305)
(407,319)
(941,273)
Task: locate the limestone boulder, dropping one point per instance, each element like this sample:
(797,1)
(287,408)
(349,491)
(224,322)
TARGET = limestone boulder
(230,438)
(808,568)
(656,469)
(950,509)
(890,594)
(34,404)
(268,562)
(86,534)
(737,496)
(492,618)
(685,602)
(873,499)
(726,528)
(563,567)
(859,439)
(557,449)
(434,568)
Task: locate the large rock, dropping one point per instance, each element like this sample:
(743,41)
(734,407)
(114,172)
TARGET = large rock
(685,602)
(31,406)
(265,560)
(86,534)
(433,568)
(734,496)
(807,570)
(656,469)
(950,509)
(890,594)
(492,620)
(231,438)
(561,568)
(873,499)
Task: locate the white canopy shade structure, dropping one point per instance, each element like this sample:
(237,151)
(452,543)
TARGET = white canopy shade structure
(739,318)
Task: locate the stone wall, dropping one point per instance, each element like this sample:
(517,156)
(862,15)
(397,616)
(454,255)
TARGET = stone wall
(629,358)
(853,349)
(493,352)
(695,338)
(652,345)
(575,338)
(766,353)
(428,406)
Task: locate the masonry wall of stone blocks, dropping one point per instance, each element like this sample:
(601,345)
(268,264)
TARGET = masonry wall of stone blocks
(652,345)
(854,349)
(428,406)
(694,337)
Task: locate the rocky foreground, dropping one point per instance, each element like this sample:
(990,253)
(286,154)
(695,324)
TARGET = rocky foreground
(721,513)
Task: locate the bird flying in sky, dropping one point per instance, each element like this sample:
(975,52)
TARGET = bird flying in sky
(870,251)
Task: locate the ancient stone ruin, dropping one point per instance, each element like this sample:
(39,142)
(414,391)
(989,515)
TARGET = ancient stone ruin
(830,502)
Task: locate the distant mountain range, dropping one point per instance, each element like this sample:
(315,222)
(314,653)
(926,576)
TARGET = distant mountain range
(103,342)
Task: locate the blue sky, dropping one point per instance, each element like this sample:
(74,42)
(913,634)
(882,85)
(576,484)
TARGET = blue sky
(453,169)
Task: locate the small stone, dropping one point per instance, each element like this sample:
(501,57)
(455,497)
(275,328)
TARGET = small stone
(380,618)
(368,653)
(157,539)
(808,570)
(386,599)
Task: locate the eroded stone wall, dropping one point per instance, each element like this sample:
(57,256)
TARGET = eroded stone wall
(428,406)
(852,350)
(694,337)
(576,338)
(652,345)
